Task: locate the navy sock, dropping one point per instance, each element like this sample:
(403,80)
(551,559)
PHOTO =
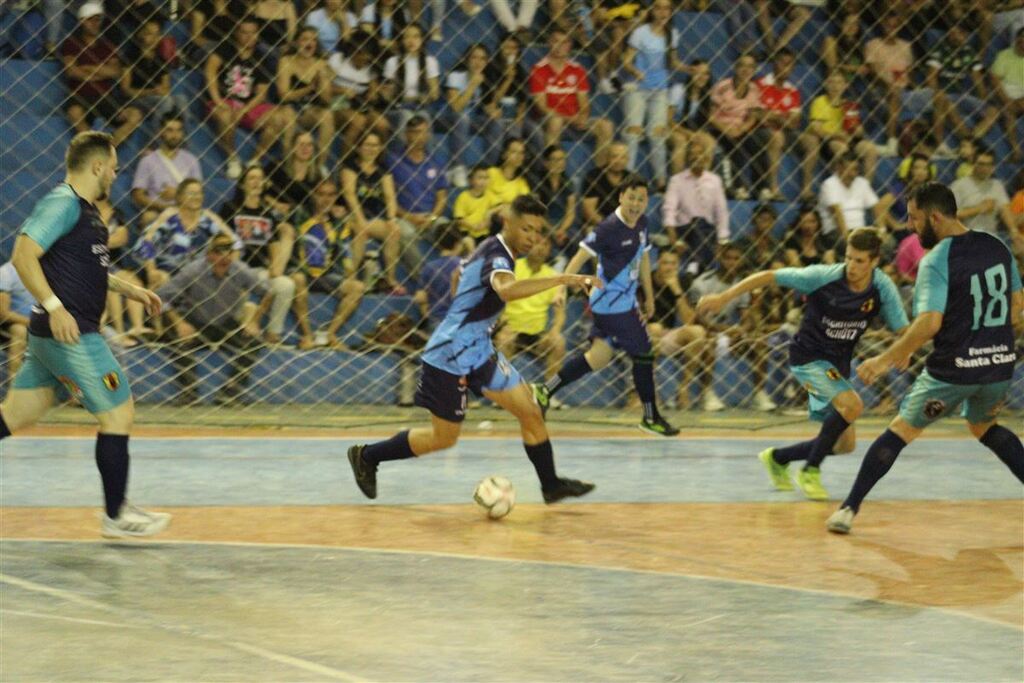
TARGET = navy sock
(112,462)
(798,451)
(643,379)
(831,429)
(574,368)
(877,462)
(4,431)
(395,448)
(543,459)
(1007,446)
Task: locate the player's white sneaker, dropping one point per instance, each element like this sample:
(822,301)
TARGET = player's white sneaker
(841,521)
(134,522)
(763,402)
(711,402)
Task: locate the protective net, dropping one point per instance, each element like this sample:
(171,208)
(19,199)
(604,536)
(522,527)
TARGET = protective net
(352,153)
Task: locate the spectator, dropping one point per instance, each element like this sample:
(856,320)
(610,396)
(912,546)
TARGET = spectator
(805,243)
(1008,82)
(118,237)
(15,308)
(146,81)
(92,70)
(330,25)
(304,84)
(267,241)
(561,103)
(730,330)
(651,58)
(1013,217)
(387,22)
(890,60)
(556,192)
(897,218)
(237,80)
(673,329)
(845,52)
(511,82)
(835,121)
(519,22)
(178,235)
(690,115)
(290,183)
(471,108)
(507,180)
(435,294)
(438,14)
(781,102)
(207,302)
(760,248)
(601,186)
(369,192)
(421,190)
(474,206)
(159,172)
(980,198)
(735,119)
(413,91)
(129,18)
(534,325)
(355,92)
(213,23)
(744,15)
(908,256)
(612,21)
(965,155)
(695,209)
(954,70)
(277,23)
(845,196)
(324,264)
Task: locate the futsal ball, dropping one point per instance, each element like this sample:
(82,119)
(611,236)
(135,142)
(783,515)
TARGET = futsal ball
(496,496)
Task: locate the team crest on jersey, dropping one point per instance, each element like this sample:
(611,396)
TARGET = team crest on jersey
(933,407)
(111,381)
(867,306)
(71,386)
(833,374)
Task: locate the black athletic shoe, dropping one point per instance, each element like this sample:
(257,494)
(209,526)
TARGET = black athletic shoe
(567,488)
(658,426)
(365,473)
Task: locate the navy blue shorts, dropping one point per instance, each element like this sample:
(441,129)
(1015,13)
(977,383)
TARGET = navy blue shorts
(623,331)
(444,394)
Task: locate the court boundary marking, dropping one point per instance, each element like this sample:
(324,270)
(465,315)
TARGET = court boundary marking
(462,437)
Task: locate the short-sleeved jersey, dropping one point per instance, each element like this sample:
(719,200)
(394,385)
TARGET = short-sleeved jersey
(462,342)
(970,279)
(619,250)
(75,259)
(560,88)
(836,316)
(171,246)
(322,246)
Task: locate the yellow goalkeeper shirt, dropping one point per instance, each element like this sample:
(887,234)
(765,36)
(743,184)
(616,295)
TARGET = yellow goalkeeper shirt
(530,315)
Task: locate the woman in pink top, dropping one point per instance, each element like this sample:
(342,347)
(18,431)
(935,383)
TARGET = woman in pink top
(736,121)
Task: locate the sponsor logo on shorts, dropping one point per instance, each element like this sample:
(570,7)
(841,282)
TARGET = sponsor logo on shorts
(71,386)
(867,306)
(933,408)
(833,374)
(111,381)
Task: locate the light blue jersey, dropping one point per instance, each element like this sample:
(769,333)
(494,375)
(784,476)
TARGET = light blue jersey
(619,250)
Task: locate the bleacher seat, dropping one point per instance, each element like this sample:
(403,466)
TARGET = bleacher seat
(31,87)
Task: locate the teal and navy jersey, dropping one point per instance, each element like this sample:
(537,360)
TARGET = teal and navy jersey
(619,250)
(75,258)
(462,341)
(970,279)
(835,316)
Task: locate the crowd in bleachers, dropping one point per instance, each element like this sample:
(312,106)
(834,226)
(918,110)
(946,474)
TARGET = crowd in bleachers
(346,151)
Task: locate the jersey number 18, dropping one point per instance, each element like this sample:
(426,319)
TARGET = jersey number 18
(996,286)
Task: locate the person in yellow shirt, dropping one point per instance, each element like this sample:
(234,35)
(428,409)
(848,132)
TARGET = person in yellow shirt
(526,326)
(835,120)
(474,206)
(506,182)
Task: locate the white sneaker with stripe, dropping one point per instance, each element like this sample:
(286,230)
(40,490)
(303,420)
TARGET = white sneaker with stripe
(134,522)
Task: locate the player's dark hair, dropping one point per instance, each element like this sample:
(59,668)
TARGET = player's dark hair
(867,240)
(934,196)
(632,181)
(447,235)
(86,145)
(528,205)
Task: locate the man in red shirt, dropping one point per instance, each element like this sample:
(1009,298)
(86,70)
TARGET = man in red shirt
(92,70)
(781,102)
(560,90)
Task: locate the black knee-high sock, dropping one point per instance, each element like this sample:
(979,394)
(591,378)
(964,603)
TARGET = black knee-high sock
(798,451)
(877,462)
(395,448)
(831,429)
(574,368)
(112,461)
(643,379)
(4,431)
(1008,447)
(543,459)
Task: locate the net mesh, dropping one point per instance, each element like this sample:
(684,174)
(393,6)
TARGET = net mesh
(736,112)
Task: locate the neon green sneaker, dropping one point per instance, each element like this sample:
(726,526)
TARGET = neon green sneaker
(542,395)
(779,474)
(809,480)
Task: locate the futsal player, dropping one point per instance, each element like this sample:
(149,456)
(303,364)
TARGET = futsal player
(842,301)
(968,302)
(620,245)
(460,357)
(62,258)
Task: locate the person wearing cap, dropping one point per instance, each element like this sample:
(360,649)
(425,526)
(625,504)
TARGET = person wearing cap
(207,301)
(92,70)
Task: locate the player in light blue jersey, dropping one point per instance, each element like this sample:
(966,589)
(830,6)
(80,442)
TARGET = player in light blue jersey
(968,300)
(842,300)
(460,357)
(62,258)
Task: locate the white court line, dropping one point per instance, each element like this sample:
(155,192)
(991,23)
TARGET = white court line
(462,437)
(270,655)
(57,617)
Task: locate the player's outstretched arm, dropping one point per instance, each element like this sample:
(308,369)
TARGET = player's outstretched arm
(510,289)
(710,304)
(581,257)
(25,258)
(925,326)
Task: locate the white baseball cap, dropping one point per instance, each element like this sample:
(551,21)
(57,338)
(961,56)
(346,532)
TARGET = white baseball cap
(90,9)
